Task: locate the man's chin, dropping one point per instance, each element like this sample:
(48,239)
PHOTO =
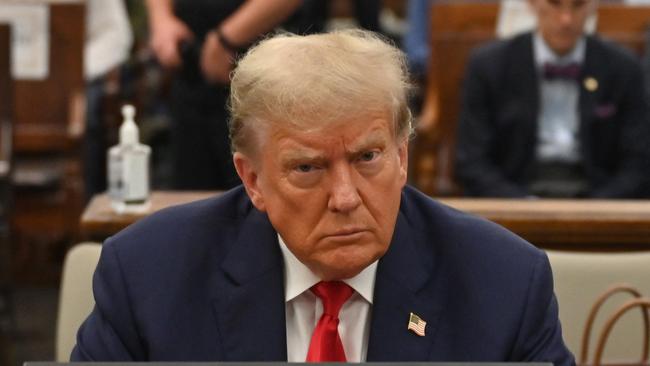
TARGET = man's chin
(343,267)
(563,46)
(337,274)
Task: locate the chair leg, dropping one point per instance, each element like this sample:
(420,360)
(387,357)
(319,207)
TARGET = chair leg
(7,311)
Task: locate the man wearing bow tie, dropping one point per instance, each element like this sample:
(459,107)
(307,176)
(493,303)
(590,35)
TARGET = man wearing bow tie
(554,113)
(324,253)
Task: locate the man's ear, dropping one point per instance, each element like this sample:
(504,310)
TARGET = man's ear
(249,175)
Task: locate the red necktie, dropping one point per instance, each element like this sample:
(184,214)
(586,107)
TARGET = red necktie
(325,345)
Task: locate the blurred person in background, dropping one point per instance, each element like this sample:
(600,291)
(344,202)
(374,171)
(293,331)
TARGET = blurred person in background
(554,113)
(313,16)
(416,39)
(199,40)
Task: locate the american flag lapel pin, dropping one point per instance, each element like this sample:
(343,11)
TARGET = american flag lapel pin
(416,324)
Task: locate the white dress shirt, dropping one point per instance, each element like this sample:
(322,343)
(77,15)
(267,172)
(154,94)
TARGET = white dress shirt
(303,309)
(559,116)
(108,37)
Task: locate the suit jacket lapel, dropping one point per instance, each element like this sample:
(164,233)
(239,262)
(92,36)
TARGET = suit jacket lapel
(403,285)
(588,98)
(524,86)
(249,303)
(524,77)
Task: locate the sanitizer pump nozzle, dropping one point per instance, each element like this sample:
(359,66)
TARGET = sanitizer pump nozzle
(129,133)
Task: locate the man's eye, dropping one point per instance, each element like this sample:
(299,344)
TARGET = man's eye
(368,156)
(304,168)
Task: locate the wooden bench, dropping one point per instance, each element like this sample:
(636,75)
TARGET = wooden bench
(582,225)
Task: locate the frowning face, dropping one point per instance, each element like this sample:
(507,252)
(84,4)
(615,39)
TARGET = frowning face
(561,22)
(332,193)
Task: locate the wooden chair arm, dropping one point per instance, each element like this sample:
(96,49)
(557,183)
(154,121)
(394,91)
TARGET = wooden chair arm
(77,113)
(644,304)
(594,311)
(429,118)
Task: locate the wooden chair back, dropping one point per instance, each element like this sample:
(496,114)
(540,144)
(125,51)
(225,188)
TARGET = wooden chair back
(49,113)
(48,126)
(456,28)
(627,25)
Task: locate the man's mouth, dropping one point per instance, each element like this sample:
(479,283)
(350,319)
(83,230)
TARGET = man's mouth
(347,234)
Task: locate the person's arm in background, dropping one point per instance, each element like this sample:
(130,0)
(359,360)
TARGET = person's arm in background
(108,37)
(416,39)
(253,18)
(166,32)
(631,178)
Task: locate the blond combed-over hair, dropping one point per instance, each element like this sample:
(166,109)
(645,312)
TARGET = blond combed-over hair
(309,81)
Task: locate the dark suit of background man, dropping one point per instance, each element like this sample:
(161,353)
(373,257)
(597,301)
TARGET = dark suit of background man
(554,113)
(324,207)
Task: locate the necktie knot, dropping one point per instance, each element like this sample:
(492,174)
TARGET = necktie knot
(569,72)
(333,294)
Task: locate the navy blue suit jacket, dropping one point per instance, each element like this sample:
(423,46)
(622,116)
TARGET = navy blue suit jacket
(204,282)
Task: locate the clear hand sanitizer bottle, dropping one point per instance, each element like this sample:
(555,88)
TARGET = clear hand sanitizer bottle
(128,168)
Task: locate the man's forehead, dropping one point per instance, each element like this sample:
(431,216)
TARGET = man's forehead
(319,139)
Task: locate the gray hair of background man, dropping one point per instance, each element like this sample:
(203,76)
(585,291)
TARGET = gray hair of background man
(310,81)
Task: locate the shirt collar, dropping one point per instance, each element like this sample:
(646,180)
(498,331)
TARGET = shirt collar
(544,54)
(298,278)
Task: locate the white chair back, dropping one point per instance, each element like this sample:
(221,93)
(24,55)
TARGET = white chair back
(76,299)
(579,280)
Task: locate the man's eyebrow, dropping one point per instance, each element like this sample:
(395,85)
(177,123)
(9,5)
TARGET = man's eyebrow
(299,154)
(374,139)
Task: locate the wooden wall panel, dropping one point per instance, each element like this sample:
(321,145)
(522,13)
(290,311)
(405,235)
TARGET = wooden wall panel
(43,107)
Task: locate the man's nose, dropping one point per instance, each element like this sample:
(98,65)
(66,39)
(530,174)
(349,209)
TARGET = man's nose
(344,196)
(566,17)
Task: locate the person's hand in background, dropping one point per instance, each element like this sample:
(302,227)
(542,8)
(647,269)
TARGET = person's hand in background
(217,59)
(166,33)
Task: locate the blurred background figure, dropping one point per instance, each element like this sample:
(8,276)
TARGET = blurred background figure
(554,113)
(199,40)
(416,40)
(108,45)
(314,15)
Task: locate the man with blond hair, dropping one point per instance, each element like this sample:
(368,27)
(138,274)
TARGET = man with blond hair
(323,254)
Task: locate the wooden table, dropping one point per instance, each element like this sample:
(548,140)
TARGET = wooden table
(568,224)
(557,224)
(99,221)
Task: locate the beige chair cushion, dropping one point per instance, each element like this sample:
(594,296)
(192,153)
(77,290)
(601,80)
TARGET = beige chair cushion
(580,278)
(76,299)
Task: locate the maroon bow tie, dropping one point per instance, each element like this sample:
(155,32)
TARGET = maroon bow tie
(570,72)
